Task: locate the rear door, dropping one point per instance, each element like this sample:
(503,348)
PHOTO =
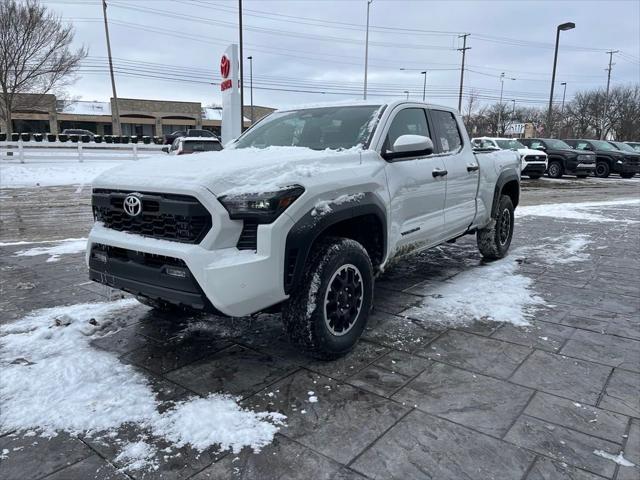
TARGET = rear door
(417,195)
(462,172)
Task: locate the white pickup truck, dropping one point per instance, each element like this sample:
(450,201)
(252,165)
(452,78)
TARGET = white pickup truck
(299,215)
(533,162)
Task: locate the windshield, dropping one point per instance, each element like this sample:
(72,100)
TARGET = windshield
(192,147)
(509,144)
(624,147)
(557,144)
(602,145)
(316,128)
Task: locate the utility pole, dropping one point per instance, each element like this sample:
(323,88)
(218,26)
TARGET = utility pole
(115,111)
(500,105)
(464,51)
(250,58)
(241,69)
(606,98)
(424,86)
(366,51)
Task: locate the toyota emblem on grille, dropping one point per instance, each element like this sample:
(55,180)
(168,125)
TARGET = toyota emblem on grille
(132,205)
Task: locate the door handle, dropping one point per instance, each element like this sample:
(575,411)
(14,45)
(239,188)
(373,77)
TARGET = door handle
(439,172)
(473,167)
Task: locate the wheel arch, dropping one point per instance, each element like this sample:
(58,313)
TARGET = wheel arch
(508,184)
(363,220)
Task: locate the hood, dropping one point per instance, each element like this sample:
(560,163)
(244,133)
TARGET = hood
(230,171)
(532,151)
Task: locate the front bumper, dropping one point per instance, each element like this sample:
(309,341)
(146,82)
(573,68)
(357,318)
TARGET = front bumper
(231,281)
(534,168)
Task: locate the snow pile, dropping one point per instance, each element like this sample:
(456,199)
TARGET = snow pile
(490,292)
(50,174)
(619,459)
(54,380)
(65,247)
(137,456)
(323,207)
(585,211)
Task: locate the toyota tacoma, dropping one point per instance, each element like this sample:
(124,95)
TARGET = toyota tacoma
(563,159)
(299,215)
(534,162)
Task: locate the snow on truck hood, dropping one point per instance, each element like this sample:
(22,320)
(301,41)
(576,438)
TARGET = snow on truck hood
(531,151)
(230,171)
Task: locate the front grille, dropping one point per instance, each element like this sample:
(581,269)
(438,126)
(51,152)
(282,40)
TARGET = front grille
(141,258)
(632,160)
(534,158)
(249,237)
(587,158)
(179,218)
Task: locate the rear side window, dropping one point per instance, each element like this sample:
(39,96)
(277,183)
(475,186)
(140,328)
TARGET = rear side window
(535,144)
(582,146)
(192,147)
(410,121)
(448,135)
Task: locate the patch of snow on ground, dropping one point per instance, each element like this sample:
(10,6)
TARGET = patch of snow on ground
(137,456)
(559,250)
(585,211)
(21,175)
(53,380)
(619,459)
(494,291)
(65,247)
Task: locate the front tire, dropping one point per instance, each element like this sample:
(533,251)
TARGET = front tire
(328,311)
(555,170)
(602,170)
(494,240)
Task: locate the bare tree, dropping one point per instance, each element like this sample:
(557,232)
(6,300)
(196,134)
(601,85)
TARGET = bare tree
(472,102)
(35,54)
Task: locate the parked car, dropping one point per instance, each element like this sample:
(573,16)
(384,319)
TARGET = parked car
(185,145)
(300,213)
(632,156)
(533,163)
(609,159)
(78,131)
(563,160)
(634,145)
(192,132)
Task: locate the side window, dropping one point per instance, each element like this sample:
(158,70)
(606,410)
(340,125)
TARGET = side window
(582,146)
(536,144)
(448,134)
(410,121)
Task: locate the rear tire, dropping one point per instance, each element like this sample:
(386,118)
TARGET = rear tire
(602,170)
(627,175)
(555,169)
(328,311)
(494,240)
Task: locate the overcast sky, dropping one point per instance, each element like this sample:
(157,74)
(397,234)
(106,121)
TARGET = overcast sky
(308,51)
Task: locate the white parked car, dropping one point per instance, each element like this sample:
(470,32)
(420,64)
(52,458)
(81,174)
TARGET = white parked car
(300,214)
(533,162)
(186,145)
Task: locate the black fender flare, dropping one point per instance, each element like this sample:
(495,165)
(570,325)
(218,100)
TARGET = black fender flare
(605,158)
(504,178)
(307,229)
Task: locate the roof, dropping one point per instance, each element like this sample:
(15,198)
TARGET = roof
(200,139)
(374,103)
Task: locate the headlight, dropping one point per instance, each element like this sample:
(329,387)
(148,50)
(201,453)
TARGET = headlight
(262,207)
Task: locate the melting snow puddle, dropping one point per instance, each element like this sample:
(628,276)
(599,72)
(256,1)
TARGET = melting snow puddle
(64,247)
(559,250)
(54,380)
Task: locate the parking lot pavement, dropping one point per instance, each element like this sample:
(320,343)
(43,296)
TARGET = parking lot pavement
(419,397)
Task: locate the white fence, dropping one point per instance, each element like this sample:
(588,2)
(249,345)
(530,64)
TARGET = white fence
(37,152)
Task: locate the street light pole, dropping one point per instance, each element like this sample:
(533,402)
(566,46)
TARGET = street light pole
(366,51)
(250,58)
(564,94)
(500,105)
(424,86)
(561,27)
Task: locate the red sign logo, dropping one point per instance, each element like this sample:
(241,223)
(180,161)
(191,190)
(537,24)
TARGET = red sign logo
(225,66)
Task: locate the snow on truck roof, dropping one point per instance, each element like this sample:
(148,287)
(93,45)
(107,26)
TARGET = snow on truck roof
(357,102)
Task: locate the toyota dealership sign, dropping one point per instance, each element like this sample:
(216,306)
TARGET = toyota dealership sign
(230,88)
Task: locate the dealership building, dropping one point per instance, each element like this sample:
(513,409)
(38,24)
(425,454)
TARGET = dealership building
(46,113)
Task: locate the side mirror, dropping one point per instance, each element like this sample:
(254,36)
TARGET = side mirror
(165,149)
(410,146)
(541,147)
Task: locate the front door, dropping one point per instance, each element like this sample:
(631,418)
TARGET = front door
(462,172)
(417,196)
